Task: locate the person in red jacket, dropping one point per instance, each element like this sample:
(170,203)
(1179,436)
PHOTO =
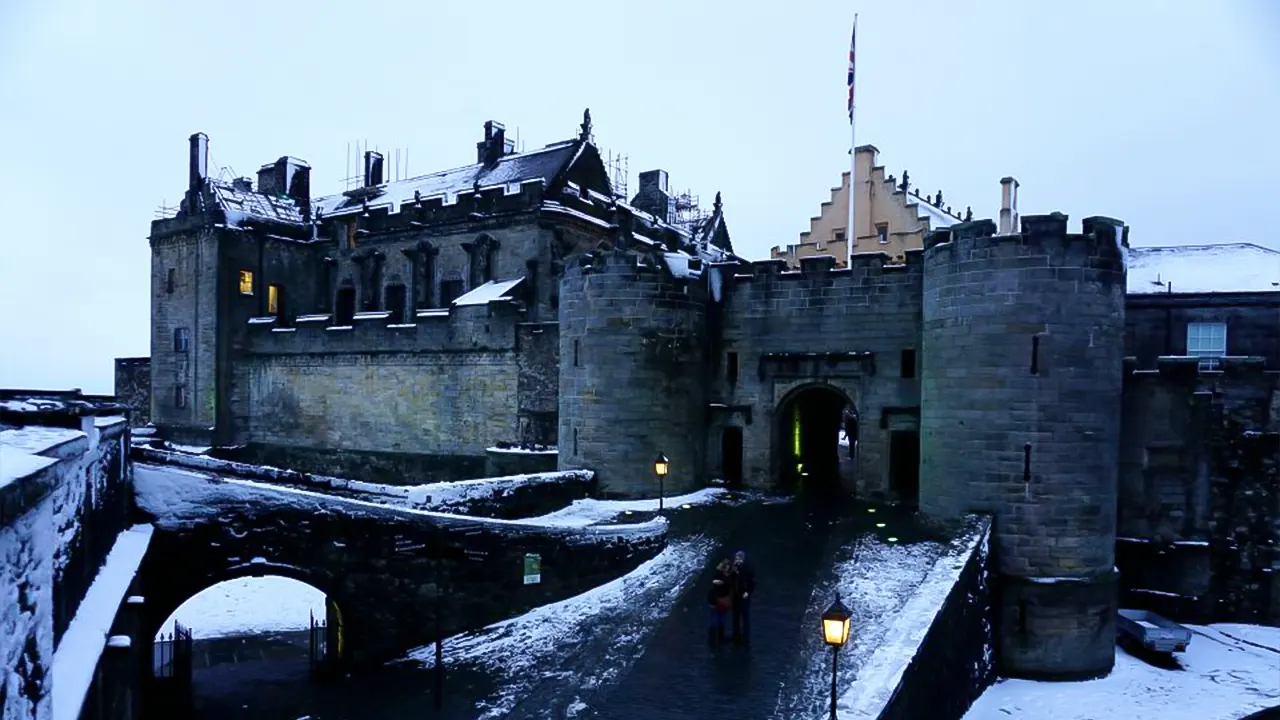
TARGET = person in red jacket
(719,597)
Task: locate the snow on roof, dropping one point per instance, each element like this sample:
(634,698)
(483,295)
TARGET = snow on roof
(937,217)
(678,264)
(510,170)
(15,464)
(1221,268)
(76,658)
(246,204)
(488,292)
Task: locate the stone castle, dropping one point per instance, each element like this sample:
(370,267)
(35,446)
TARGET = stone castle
(517,313)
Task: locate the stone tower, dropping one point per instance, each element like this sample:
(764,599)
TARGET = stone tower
(1022,362)
(633,371)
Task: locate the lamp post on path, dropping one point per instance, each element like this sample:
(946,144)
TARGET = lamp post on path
(835,631)
(661,467)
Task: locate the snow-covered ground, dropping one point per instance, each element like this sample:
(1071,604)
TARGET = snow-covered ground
(614,619)
(590,512)
(1223,678)
(249,606)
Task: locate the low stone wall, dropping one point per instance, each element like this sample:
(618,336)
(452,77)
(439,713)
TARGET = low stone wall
(386,468)
(510,497)
(501,461)
(938,656)
(389,570)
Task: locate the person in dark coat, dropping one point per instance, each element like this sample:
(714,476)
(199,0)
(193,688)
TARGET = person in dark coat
(744,589)
(719,598)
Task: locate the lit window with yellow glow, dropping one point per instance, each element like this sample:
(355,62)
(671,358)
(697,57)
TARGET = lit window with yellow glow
(273,299)
(246,282)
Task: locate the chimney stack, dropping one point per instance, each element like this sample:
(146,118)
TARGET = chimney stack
(1008,206)
(372,168)
(653,197)
(495,143)
(199,157)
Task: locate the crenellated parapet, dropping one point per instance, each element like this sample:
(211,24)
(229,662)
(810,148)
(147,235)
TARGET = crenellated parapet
(1101,246)
(468,328)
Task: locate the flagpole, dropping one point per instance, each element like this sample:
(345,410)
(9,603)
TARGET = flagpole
(852,235)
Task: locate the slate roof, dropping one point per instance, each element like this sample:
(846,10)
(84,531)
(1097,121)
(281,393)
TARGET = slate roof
(1196,269)
(511,170)
(240,201)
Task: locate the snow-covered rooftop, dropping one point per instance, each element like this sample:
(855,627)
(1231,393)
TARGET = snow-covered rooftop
(1222,268)
(488,292)
(937,217)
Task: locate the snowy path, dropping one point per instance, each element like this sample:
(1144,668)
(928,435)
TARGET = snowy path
(1222,678)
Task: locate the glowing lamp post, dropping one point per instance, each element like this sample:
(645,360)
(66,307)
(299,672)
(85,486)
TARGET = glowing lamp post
(661,467)
(835,631)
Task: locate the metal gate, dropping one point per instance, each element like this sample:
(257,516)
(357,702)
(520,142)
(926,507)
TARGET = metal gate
(171,673)
(319,647)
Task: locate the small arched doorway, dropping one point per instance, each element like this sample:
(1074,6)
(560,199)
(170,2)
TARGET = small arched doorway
(810,425)
(731,455)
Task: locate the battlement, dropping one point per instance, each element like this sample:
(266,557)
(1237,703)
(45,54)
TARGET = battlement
(468,328)
(1101,245)
(375,212)
(638,261)
(861,266)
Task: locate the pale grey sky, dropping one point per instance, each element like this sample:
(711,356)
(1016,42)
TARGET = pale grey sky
(1162,113)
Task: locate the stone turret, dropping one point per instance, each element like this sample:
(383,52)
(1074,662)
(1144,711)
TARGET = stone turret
(1022,350)
(632,380)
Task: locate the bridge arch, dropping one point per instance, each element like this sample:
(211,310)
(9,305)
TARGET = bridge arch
(807,422)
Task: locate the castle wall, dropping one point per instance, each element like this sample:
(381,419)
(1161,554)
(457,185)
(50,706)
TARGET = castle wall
(1022,360)
(192,254)
(1199,521)
(777,322)
(400,403)
(632,373)
(1156,325)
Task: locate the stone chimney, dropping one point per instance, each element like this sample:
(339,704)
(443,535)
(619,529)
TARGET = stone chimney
(199,156)
(1008,206)
(372,168)
(653,196)
(286,176)
(495,144)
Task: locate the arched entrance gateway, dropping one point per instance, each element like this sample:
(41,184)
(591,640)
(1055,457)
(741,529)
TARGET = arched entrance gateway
(815,440)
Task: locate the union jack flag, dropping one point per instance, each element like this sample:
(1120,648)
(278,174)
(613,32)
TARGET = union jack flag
(852,42)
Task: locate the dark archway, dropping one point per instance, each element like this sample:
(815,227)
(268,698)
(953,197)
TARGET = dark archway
(807,432)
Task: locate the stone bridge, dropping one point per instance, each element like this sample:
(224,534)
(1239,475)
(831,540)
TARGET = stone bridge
(386,570)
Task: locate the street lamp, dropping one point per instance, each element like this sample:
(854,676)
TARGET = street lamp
(835,631)
(661,467)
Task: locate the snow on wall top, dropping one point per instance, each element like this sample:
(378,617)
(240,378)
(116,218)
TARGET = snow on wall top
(76,658)
(1222,268)
(15,464)
(488,292)
(36,439)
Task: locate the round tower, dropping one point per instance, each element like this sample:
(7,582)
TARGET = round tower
(1022,367)
(632,372)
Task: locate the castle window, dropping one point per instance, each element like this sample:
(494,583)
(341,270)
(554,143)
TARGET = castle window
(246,282)
(1035,355)
(396,295)
(838,235)
(180,396)
(273,299)
(450,290)
(575,441)
(171,280)
(1026,463)
(1207,341)
(345,307)
(882,233)
(731,367)
(181,340)
(908,362)
(575,354)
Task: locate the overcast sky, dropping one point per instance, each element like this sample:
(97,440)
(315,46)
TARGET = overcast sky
(1161,113)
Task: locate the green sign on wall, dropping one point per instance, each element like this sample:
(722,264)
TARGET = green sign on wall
(532,568)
